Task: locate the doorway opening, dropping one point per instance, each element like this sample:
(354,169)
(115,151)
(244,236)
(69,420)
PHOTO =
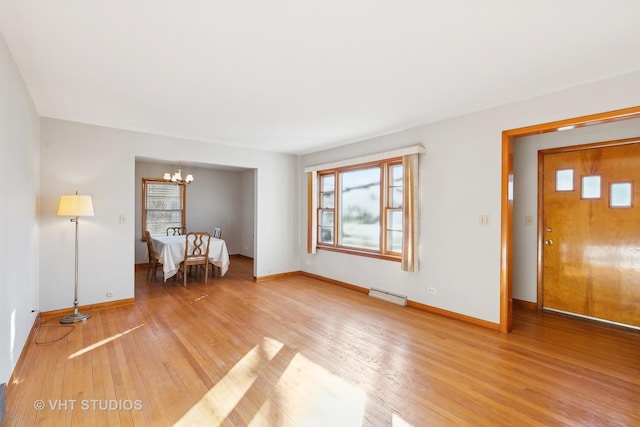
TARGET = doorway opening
(507,220)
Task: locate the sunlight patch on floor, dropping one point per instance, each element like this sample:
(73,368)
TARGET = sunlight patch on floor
(397,421)
(220,400)
(103,342)
(199,298)
(309,395)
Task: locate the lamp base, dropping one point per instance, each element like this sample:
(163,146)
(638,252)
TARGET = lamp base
(74,318)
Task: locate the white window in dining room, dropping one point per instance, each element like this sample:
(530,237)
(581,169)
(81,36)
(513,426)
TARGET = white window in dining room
(360,209)
(163,205)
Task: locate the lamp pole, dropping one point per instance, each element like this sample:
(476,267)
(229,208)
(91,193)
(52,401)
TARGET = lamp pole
(76,316)
(75,206)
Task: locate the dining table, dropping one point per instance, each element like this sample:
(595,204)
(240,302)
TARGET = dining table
(170,250)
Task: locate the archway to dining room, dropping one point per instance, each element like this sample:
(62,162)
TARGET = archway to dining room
(219,196)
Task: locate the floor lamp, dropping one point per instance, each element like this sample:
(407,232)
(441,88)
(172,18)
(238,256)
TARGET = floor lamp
(75,206)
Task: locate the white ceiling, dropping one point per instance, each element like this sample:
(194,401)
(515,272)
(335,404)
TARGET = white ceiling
(298,76)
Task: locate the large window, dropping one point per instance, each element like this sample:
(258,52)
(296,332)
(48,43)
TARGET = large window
(367,206)
(163,205)
(360,209)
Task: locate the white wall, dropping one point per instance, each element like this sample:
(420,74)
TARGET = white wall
(459,181)
(101,162)
(214,199)
(19,171)
(525,202)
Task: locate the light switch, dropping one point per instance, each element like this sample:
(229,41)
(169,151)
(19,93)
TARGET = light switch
(123,219)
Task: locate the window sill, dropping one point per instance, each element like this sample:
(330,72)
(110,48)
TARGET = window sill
(368,254)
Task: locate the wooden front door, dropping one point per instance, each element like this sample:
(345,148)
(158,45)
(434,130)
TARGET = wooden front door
(591,230)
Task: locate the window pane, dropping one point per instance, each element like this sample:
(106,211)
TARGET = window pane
(360,208)
(325,235)
(396,175)
(394,220)
(326,218)
(591,187)
(163,196)
(621,195)
(327,200)
(159,221)
(394,241)
(396,197)
(564,180)
(328,183)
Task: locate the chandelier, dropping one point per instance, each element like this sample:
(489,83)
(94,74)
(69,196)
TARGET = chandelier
(177,177)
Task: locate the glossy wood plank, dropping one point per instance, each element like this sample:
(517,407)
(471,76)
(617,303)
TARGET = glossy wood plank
(300,351)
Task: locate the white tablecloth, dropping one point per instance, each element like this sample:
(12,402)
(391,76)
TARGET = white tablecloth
(170,249)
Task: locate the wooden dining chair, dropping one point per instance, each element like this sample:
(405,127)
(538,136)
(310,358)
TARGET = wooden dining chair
(154,260)
(196,254)
(175,231)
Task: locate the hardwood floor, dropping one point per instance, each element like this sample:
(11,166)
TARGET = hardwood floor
(297,351)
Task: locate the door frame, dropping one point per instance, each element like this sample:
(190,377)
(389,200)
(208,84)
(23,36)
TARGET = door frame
(506,209)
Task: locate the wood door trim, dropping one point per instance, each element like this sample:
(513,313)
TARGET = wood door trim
(540,249)
(506,208)
(590,146)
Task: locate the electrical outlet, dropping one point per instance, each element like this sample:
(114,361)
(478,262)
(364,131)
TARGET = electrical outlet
(431,291)
(484,220)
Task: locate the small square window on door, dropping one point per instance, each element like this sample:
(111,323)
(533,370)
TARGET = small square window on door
(591,187)
(564,180)
(620,195)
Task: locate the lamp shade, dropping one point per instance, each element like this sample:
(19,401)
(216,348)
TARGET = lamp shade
(75,205)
